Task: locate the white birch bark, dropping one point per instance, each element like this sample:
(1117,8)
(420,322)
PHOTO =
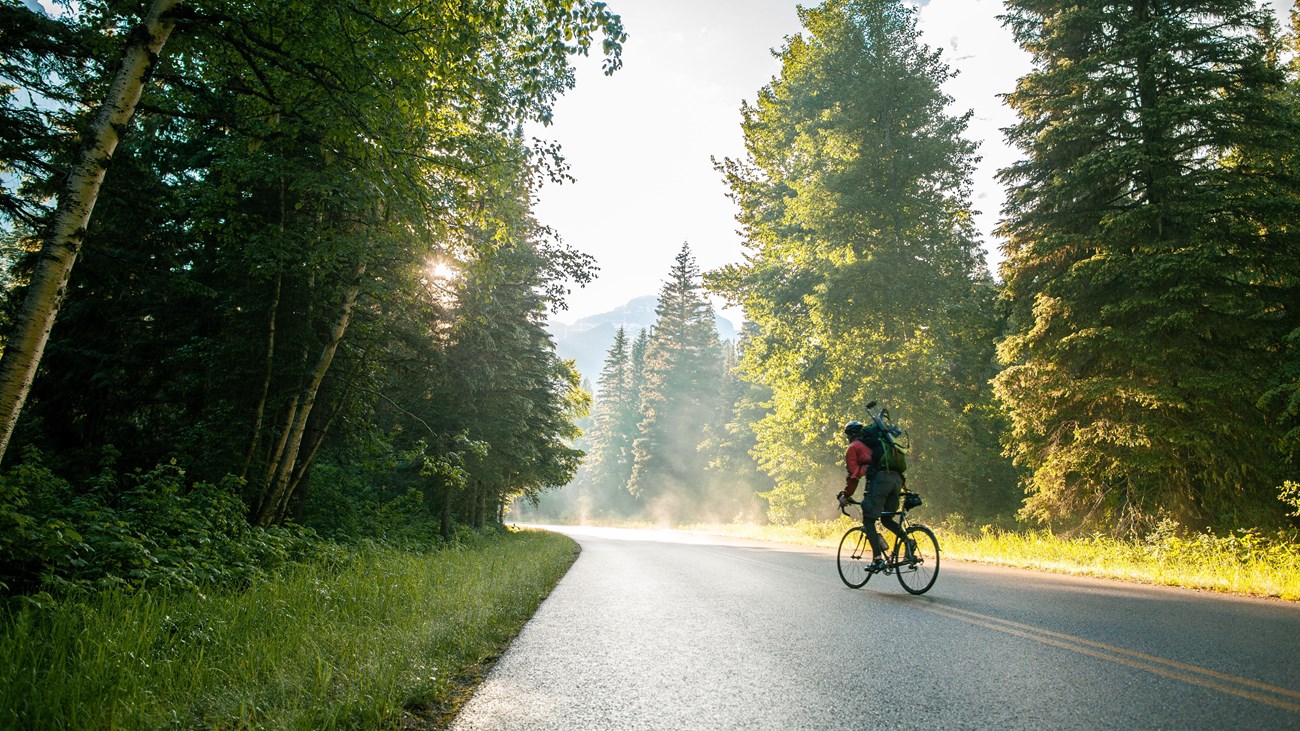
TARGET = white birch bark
(63,240)
(275,492)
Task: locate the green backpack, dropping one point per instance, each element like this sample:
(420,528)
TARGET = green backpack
(885,454)
(892,457)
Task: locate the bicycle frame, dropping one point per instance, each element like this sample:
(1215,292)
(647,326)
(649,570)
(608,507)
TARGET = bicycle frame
(915,571)
(901,513)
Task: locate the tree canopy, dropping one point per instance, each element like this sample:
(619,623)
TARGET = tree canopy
(863,274)
(314,248)
(1150,260)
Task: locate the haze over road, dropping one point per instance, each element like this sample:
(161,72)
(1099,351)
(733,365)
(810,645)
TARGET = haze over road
(665,630)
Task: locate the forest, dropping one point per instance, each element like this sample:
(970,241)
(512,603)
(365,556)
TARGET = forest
(1130,369)
(310,295)
(310,304)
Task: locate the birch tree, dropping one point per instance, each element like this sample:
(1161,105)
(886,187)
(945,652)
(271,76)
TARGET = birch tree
(63,240)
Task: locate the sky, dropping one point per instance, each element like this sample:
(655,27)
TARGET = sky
(639,142)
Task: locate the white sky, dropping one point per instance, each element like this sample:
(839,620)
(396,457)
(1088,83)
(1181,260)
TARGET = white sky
(639,142)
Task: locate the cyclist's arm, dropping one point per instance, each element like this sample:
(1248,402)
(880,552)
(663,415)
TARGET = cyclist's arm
(856,460)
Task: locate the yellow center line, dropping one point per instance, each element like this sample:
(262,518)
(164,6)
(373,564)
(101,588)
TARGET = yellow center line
(1150,663)
(1172,669)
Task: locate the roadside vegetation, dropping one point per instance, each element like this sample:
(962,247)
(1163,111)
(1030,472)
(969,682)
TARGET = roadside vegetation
(1245,561)
(255,475)
(372,637)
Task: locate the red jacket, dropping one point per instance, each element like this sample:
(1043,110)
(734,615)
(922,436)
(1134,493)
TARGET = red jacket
(856,460)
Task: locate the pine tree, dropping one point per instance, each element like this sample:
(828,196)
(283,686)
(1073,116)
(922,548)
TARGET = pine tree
(1283,401)
(863,272)
(1151,259)
(682,372)
(616,414)
(735,481)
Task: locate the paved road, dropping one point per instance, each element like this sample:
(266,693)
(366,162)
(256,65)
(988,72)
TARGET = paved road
(676,631)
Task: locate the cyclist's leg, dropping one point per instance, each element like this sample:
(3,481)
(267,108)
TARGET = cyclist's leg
(891,485)
(872,504)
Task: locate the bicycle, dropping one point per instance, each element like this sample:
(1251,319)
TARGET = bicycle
(916,568)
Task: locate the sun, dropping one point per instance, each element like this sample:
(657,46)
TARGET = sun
(440,270)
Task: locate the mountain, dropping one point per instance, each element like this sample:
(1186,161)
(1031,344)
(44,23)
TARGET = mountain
(587,340)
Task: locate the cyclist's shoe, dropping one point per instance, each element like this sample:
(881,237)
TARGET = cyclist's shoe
(877,565)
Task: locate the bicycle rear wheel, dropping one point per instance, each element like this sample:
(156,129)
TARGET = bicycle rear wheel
(917,571)
(854,558)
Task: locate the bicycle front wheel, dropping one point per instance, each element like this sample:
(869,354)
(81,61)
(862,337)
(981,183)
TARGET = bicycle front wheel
(917,569)
(855,558)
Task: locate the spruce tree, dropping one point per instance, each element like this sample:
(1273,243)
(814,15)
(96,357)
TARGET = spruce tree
(615,417)
(735,481)
(863,272)
(1150,259)
(1283,401)
(682,373)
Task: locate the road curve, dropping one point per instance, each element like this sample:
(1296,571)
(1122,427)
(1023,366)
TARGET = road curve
(667,630)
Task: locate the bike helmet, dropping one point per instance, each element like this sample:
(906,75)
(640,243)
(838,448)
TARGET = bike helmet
(853,428)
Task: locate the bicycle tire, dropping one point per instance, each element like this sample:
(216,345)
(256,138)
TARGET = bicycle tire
(854,558)
(917,572)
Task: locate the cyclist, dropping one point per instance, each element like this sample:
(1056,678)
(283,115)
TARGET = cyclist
(880,495)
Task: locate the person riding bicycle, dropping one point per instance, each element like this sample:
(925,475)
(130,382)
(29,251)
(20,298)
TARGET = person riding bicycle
(881,493)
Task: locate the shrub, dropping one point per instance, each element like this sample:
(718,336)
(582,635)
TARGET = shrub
(134,530)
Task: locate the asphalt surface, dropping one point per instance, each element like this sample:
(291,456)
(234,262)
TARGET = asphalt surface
(663,630)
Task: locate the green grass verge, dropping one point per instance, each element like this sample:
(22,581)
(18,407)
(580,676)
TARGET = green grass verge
(1243,562)
(389,640)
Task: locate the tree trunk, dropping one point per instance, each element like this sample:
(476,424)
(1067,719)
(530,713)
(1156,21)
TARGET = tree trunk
(274,460)
(446,523)
(266,380)
(276,490)
(476,505)
(63,240)
(316,438)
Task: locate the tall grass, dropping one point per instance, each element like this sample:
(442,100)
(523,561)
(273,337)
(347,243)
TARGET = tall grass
(1244,561)
(386,638)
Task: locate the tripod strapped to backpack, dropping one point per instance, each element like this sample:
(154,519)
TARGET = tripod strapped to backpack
(893,453)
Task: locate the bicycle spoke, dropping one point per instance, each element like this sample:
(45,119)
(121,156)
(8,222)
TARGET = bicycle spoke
(917,572)
(853,558)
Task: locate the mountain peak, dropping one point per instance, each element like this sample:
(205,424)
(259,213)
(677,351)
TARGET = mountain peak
(588,339)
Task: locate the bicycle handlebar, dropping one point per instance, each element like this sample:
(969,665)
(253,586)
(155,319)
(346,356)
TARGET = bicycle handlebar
(851,501)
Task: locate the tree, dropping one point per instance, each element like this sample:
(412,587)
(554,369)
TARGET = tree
(734,480)
(468,393)
(63,240)
(617,413)
(1150,260)
(1283,400)
(682,370)
(301,161)
(863,272)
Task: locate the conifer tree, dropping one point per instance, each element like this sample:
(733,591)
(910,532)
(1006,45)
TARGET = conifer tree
(1283,401)
(1151,259)
(863,271)
(636,368)
(735,481)
(616,415)
(682,372)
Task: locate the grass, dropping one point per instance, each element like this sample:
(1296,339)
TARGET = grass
(1244,562)
(389,640)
